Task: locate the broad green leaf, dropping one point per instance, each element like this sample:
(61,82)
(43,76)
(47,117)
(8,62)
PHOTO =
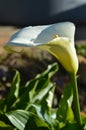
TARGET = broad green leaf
(44,107)
(51,70)
(64,112)
(14,91)
(38,91)
(24,120)
(36,88)
(40,94)
(24,98)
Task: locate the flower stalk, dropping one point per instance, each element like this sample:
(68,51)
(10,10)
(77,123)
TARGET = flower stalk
(76,99)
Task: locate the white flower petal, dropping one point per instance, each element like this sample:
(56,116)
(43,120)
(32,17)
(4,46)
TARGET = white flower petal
(39,35)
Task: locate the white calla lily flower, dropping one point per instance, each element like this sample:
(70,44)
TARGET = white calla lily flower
(57,38)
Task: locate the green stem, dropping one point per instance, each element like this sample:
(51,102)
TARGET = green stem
(76,100)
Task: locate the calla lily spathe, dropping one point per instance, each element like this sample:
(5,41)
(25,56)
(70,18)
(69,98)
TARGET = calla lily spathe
(61,46)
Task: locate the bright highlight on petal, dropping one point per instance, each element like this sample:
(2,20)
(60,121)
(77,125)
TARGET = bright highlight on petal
(57,38)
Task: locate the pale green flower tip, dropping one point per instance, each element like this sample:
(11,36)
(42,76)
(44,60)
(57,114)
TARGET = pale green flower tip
(39,35)
(63,49)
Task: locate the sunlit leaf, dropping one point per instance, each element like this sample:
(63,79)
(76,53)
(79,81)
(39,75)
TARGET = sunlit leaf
(36,88)
(44,107)
(24,120)
(64,112)
(4,126)
(14,90)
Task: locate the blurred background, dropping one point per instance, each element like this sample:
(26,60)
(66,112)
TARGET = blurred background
(15,14)
(35,12)
(38,12)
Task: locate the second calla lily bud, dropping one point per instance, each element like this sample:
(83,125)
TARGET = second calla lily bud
(61,46)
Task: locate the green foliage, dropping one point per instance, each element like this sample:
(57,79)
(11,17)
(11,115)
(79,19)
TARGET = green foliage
(26,120)
(64,112)
(4,126)
(81,49)
(29,107)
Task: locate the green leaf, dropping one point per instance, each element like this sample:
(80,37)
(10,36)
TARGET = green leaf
(4,126)
(64,112)
(71,126)
(40,94)
(2,104)
(84,122)
(81,49)
(4,118)
(24,120)
(51,70)
(44,107)
(84,119)
(14,91)
(36,89)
